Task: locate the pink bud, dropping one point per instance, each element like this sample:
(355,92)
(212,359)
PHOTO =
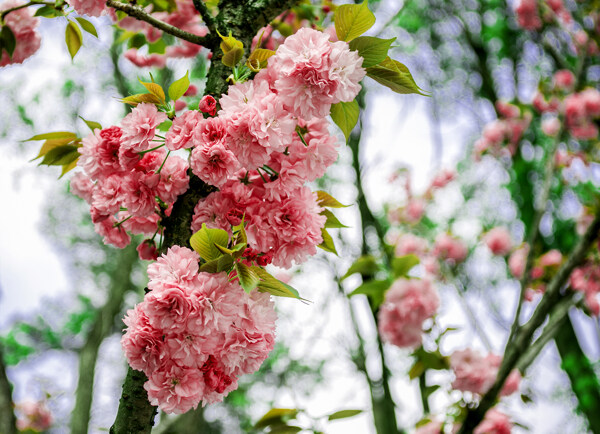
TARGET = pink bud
(208,105)
(180,105)
(551,126)
(191,91)
(147,251)
(564,79)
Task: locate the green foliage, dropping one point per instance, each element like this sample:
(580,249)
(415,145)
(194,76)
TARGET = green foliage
(325,200)
(345,115)
(179,87)
(73,38)
(343,414)
(352,21)
(332,221)
(92,124)
(375,290)
(87,26)
(395,76)
(327,243)
(365,265)
(373,50)
(8,42)
(203,242)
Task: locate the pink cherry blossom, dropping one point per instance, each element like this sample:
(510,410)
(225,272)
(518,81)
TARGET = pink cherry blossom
(449,248)
(213,164)
(139,127)
(208,104)
(494,422)
(180,134)
(498,240)
(23,25)
(33,416)
(408,303)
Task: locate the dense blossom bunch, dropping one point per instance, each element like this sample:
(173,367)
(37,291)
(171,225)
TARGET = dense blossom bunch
(195,333)
(502,136)
(23,25)
(93,8)
(267,141)
(476,374)
(123,177)
(408,303)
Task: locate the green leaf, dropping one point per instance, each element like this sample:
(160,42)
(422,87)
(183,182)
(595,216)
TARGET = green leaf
(352,21)
(327,243)
(7,40)
(73,38)
(285,429)
(52,136)
(179,87)
(68,167)
(325,200)
(61,155)
(89,27)
(342,414)
(158,47)
(273,286)
(403,264)
(432,360)
(345,115)
(155,89)
(91,124)
(140,98)
(259,58)
(366,265)
(372,50)
(248,278)
(416,370)
(332,221)
(203,242)
(276,416)
(233,57)
(374,289)
(51,144)
(222,263)
(394,75)
(48,12)
(239,232)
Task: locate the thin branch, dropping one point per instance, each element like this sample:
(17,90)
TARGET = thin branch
(522,340)
(208,19)
(140,14)
(3,14)
(474,322)
(8,422)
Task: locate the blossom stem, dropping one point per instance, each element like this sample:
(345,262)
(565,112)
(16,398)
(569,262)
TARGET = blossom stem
(150,150)
(261,175)
(3,14)
(117,224)
(163,163)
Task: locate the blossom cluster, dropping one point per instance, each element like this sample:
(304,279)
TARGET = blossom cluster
(587,280)
(195,333)
(476,374)
(408,303)
(23,25)
(127,182)
(268,140)
(33,416)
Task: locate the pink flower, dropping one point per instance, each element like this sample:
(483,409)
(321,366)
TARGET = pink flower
(142,343)
(587,280)
(473,372)
(145,61)
(442,178)
(409,244)
(82,186)
(527,15)
(139,192)
(180,134)
(115,235)
(551,126)
(93,8)
(564,79)
(139,127)
(208,105)
(494,422)
(147,250)
(33,416)
(179,266)
(213,164)
(449,248)
(516,261)
(498,240)
(415,209)
(100,153)
(551,258)
(173,180)
(23,25)
(432,427)
(175,389)
(168,307)
(408,303)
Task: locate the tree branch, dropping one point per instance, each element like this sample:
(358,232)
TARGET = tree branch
(8,421)
(140,14)
(206,16)
(522,340)
(3,14)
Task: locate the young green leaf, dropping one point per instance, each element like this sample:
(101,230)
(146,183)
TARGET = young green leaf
(89,27)
(51,144)
(8,40)
(53,136)
(179,87)
(403,264)
(222,263)
(394,75)
(332,221)
(203,242)
(259,58)
(345,115)
(372,50)
(155,89)
(276,416)
(91,124)
(366,265)
(325,200)
(61,155)
(48,12)
(342,414)
(239,233)
(374,289)
(327,243)
(68,167)
(248,278)
(141,97)
(273,286)
(73,38)
(233,57)
(229,43)
(352,21)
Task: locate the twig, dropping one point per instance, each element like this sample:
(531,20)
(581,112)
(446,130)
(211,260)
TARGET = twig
(140,14)
(522,340)
(206,16)
(26,5)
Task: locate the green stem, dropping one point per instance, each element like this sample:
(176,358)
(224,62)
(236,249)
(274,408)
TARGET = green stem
(4,13)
